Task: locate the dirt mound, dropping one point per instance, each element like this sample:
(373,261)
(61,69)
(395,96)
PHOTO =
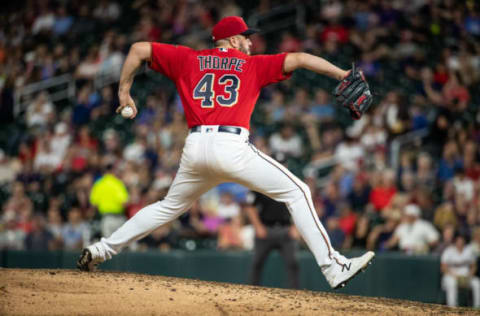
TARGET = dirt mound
(67,292)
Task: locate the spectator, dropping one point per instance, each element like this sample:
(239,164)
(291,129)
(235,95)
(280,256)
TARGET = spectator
(413,235)
(275,109)
(301,103)
(60,141)
(54,225)
(463,185)
(40,111)
(361,232)
(136,203)
(63,21)
(395,117)
(425,174)
(136,150)
(336,234)
(108,11)
(347,222)
(44,21)
(334,32)
(408,182)
(163,239)
(331,201)
(84,23)
(449,163)
(360,194)
(192,222)
(322,107)
(383,190)
(470,161)
(423,197)
(75,233)
(109,195)
(38,197)
(456,95)
(46,161)
(88,68)
(474,245)
(111,61)
(448,235)
(349,153)
(445,215)
(210,219)
(230,234)
(39,238)
(373,138)
(286,142)
(19,201)
(227,207)
(85,145)
(381,234)
(11,238)
(289,43)
(25,220)
(9,168)
(459,268)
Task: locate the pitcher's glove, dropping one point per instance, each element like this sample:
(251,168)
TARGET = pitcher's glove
(354,93)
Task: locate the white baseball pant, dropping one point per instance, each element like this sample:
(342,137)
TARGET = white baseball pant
(449,284)
(209,158)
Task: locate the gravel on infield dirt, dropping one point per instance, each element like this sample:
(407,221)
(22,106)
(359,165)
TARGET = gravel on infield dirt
(68,292)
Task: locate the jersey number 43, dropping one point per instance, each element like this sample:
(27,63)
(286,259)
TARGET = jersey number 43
(204,90)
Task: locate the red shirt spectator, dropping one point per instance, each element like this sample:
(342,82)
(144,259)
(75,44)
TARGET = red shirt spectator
(380,197)
(441,75)
(472,170)
(347,223)
(383,192)
(289,43)
(335,32)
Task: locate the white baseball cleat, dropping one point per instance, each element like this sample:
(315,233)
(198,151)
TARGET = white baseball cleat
(89,259)
(338,275)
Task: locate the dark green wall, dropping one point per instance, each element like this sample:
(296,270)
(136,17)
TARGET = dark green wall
(392,275)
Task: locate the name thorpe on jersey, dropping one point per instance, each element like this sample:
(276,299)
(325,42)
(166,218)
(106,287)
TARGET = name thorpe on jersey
(220,63)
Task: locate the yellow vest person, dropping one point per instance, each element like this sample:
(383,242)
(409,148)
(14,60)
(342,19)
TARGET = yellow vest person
(109,196)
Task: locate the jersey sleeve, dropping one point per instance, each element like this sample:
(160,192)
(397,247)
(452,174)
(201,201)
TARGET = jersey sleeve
(269,68)
(166,59)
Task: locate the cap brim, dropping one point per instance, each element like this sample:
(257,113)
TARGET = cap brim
(250,32)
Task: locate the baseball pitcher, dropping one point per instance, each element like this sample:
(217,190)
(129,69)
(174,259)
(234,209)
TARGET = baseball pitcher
(219,88)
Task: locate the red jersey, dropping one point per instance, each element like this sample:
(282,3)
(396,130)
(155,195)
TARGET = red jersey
(218,86)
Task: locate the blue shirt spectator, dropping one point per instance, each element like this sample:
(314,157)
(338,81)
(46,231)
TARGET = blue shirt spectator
(63,22)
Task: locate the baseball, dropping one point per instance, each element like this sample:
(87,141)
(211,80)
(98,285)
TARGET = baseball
(127,112)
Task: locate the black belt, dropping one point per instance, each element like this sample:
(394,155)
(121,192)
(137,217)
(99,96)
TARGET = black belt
(221,129)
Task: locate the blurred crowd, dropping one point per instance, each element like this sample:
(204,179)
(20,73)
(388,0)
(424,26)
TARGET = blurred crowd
(63,163)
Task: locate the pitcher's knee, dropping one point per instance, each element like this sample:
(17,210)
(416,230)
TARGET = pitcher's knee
(302,192)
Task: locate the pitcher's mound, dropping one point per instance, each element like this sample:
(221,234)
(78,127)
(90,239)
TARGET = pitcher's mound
(67,292)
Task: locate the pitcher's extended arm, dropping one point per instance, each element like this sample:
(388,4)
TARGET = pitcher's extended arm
(314,63)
